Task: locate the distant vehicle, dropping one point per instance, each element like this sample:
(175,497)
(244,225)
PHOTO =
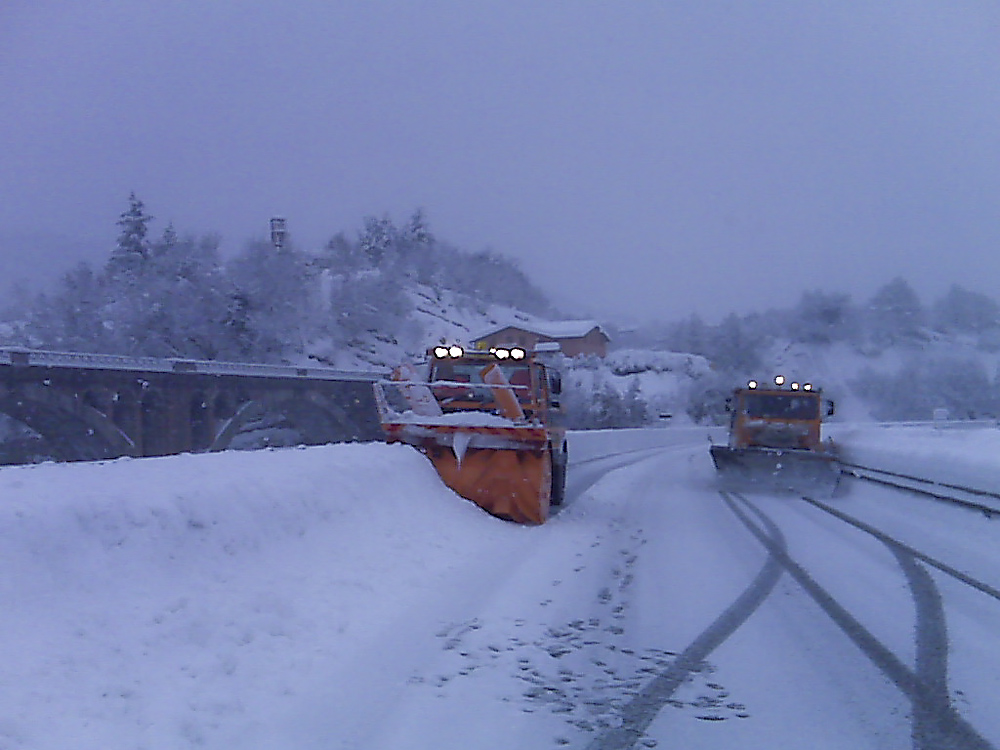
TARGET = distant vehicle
(775,439)
(489,421)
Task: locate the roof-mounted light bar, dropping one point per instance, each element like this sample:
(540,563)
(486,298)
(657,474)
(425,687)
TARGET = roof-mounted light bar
(503,352)
(780,382)
(453,351)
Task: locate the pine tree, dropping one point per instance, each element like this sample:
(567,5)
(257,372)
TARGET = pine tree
(377,240)
(132,249)
(417,230)
(418,248)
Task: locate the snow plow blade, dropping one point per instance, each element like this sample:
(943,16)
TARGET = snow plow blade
(776,469)
(511,484)
(506,471)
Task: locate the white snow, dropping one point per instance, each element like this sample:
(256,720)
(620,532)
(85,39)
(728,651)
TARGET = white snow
(341,597)
(460,419)
(631,361)
(972,447)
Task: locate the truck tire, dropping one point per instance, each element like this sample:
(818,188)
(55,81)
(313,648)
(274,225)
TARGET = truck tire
(559,461)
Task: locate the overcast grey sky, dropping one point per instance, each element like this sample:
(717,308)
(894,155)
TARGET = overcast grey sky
(643,158)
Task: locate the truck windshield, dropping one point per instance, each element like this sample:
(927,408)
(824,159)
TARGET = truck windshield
(781,406)
(462,372)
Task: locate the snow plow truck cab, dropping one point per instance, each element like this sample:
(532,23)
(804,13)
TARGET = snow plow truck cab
(490,423)
(775,438)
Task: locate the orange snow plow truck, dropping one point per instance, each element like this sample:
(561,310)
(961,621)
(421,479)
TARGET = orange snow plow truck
(488,421)
(775,440)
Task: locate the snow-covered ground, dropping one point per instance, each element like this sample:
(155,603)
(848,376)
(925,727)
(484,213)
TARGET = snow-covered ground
(341,597)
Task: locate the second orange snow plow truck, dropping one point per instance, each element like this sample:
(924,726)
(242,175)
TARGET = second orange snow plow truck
(488,421)
(775,440)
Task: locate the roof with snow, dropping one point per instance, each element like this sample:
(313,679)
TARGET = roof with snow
(553,329)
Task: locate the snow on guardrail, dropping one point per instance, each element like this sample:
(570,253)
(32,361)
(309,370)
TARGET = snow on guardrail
(938,424)
(965,454)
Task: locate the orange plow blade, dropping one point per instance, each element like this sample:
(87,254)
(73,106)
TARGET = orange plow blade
(511,484)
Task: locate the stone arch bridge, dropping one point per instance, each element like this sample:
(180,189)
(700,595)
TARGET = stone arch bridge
(79,407)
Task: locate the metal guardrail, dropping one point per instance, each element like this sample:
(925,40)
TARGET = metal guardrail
(945,424)
(969,497)
(16,357)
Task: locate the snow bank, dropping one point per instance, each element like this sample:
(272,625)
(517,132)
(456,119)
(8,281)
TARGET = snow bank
(184,601)
(963,453)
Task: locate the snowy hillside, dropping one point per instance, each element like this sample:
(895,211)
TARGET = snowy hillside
(435,315)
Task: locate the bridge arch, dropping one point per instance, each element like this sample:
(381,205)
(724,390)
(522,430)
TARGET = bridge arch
(72,428)
(315,417)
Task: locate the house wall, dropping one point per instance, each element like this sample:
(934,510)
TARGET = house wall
(593,343)
(511,337)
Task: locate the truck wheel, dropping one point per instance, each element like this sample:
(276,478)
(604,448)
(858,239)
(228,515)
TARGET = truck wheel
(559,461)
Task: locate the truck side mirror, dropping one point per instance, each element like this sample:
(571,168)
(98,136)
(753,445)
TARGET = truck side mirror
(829,408)
(555,384)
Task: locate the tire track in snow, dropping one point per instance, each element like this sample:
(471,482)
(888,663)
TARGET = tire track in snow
(585,473)
(932,651)
(936,724)
(916,554)
(640,711)
(931,625)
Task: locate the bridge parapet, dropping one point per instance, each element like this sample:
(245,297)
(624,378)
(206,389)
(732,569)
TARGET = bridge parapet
(42,358)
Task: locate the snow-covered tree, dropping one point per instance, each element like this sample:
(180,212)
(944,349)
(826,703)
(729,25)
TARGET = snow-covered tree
(691,334)
(417,229)
(961,385)
(822,318)
(370,305)
(735,347)
(276,301)
(377,240)
(185,300)
(707,398)
(74,317)
(132,248)
(895,314)
(419,248)
(343,257)
(965,312)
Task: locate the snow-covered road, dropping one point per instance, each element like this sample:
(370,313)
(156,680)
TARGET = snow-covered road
(339,597)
